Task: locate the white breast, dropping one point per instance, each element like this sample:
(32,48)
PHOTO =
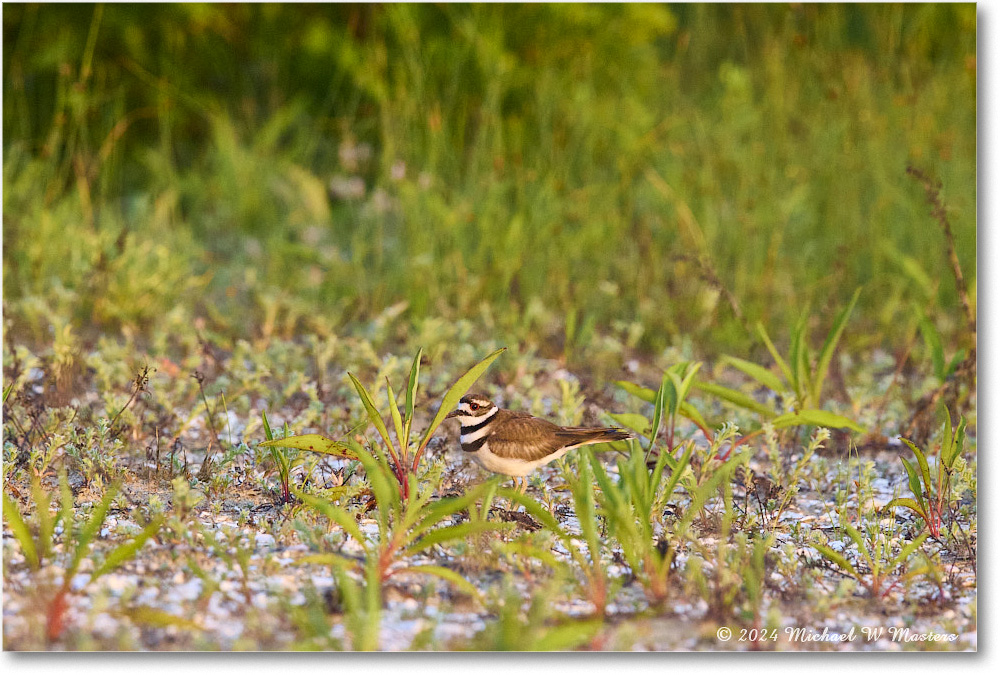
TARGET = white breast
(510,467)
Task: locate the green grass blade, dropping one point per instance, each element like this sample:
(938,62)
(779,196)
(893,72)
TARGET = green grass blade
(457,391)
(955,447)
(127,551)
(455,532)
(830,345)
(267,427)
(314,443)
(46,522)
(451,576)
(567,636)
(397,420)
(819,418)
(664,395)
(335,514)
(914,481)
(90,529)
(798,358)
(373,415)
(678,471)
(539,512)
(757,372)
(782,365)
(933,341)
(21,531)
(907,551)
(647,395)
(412,385)
(836,558)
(859,540)
(689,411)
(925,470)
(906,503)
(634,421)
(737,398)
(443,508)
(690,371)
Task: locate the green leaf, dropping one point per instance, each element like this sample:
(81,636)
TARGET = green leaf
(836,558)
(664,394)
(127,551)
(157,618)
(860,542)
(451,576)
(907,551)
(46,523)
(914,481)
(383,485)
(411,392)
(814,417)
(955,447)
(829,345)
(373,414)
(690,370)
(567,636)
(689,411)
(798,356)
(933,341)
(679,469)
(454,532)
(267,427)
(314,443)
(454,395)
(647,395)
(443,508)
(775,355)
(634,421)
(336,514)
(90,529)
(925,470)
(533,508)
(21,532)
(757,372)
(906,503)
(397,420)
(737,398)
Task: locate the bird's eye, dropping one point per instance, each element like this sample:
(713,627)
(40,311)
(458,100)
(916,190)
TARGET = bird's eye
(473,406)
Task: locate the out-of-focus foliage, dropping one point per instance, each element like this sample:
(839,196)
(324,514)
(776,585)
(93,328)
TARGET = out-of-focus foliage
(558,170)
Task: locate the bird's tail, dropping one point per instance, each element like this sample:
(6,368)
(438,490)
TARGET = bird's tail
(588,435)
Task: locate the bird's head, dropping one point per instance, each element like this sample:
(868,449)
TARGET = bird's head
(472,406)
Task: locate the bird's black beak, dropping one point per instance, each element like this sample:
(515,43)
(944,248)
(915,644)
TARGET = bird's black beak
(453,413)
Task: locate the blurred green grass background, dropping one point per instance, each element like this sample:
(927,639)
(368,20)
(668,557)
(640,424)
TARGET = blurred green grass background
(554,171)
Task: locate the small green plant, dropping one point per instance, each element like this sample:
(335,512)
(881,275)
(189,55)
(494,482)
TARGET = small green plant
(883,574)
(533,628)
(669,401)
(598,587)
(932,496)
(77,536)
(395,457)
(281,460)
(803,375)
(406,527)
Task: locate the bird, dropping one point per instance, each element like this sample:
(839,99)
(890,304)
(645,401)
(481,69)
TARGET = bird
(516,443)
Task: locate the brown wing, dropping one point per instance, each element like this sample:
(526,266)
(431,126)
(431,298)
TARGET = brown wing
(522,436)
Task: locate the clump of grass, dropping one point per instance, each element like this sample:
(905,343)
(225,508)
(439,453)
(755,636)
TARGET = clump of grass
(77,535)
(932,496)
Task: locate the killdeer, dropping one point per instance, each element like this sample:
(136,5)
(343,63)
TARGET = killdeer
(515,443)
